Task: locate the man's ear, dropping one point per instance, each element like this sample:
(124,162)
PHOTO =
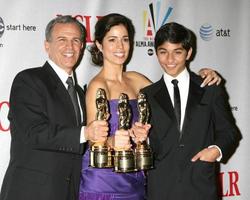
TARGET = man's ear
(189,54)
(46,45)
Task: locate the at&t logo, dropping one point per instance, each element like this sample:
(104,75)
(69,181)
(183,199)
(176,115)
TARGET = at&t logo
(207,32)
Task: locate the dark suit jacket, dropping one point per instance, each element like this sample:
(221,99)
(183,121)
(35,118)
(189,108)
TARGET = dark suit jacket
(45,159)
(207,122)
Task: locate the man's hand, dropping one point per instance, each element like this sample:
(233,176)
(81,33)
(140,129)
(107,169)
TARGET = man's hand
(210,77)
(120,140)
(139,132)
(207,154)
(96,131)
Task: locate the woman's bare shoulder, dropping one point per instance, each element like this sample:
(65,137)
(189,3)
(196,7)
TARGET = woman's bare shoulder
(138,77)
(94,84)
(97,82)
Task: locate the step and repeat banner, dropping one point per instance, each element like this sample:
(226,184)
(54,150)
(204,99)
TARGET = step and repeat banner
(222,29)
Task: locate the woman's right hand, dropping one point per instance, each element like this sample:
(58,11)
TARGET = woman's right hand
(139,132)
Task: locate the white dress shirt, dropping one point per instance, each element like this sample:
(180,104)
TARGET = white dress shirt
(183,84)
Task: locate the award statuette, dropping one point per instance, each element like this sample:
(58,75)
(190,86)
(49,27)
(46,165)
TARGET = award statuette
(124,160)
(99,154)
(143,152)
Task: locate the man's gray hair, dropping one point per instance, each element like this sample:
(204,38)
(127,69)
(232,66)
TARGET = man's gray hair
(64,19)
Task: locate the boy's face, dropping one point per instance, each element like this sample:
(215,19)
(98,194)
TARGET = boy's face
(172,57)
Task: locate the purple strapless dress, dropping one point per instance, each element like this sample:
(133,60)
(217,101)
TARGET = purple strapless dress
(104,184)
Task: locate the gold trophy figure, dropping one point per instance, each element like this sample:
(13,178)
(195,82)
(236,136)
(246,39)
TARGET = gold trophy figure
(124,159)
(124,112)
(143,152)
(99,153)
(101,105)
(143,108)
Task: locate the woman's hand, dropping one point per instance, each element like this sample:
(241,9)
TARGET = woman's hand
(139,132)
(210,77)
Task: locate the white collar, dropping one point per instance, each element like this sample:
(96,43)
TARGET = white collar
(183,77)
(63,75)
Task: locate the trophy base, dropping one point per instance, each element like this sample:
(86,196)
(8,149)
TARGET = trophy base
(124,161)
(100,157)
(110,163)
(144,161)
(144,157)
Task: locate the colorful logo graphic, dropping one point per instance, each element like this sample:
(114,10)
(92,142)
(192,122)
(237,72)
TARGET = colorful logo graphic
(206,32)
(1,27)
(153,19)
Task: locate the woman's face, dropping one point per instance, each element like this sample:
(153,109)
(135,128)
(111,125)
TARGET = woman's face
(115,45)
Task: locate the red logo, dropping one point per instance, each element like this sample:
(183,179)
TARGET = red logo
(229,184)
(87,21)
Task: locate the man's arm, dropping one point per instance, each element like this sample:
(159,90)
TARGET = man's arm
(31,118)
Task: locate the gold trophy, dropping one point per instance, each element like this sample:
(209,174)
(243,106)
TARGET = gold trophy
(143,152)
(99,153)
(124,159)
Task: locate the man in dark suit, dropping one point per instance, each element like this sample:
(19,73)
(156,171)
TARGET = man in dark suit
(47,124)
(192,126)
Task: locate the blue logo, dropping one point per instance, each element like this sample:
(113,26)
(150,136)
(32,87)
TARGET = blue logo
(1,27)
(206,32)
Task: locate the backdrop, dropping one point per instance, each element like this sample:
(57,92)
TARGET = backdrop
(222,29)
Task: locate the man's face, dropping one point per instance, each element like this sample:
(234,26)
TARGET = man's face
(172,57)
(65,45)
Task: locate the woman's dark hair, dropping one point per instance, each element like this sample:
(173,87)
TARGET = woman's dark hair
(103,26)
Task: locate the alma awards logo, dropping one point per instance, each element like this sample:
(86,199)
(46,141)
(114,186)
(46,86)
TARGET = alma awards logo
(154,21)
(153,18)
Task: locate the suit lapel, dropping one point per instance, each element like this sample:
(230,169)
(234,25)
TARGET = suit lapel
(195,95)
(60,91)
(81,95)
(163,99)
(165,116)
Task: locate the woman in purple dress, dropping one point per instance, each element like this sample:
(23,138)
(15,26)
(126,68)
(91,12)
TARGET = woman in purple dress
(114,35)
(114,38)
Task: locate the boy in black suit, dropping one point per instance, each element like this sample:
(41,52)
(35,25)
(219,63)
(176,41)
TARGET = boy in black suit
(192,126)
